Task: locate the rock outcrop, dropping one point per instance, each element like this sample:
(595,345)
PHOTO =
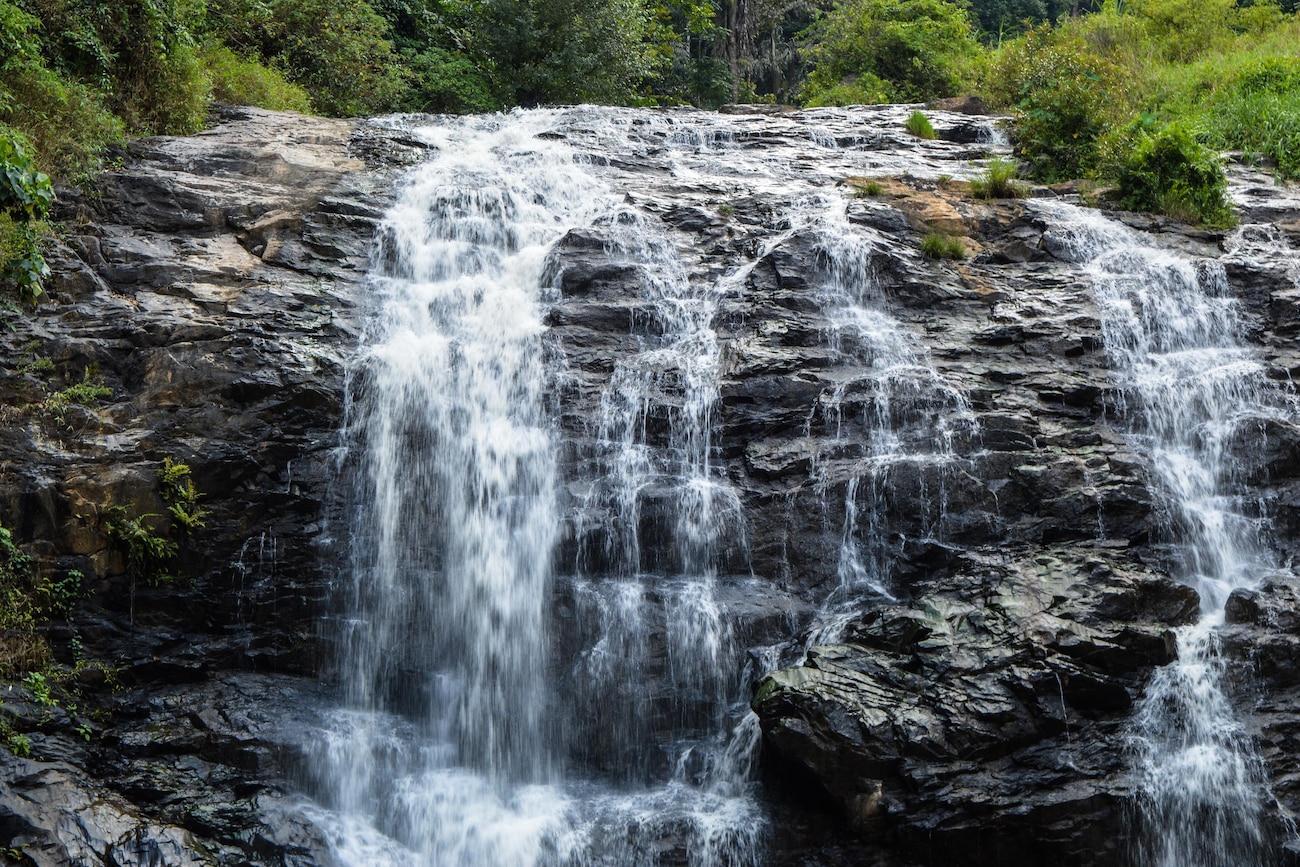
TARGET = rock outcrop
(971,709)
(209,289)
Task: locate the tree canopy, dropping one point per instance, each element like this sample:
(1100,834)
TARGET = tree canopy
(1092,84)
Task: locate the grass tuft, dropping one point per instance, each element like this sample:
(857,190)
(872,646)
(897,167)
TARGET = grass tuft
(997,182)
(919,125)
(938,245)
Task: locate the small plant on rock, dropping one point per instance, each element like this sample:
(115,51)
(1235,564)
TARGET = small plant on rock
(182,498)
(38,687)
(997,182)
(84,393)
(870,188)
(19,744)
(937,245)
(147,551)
(143,539)
(919,125)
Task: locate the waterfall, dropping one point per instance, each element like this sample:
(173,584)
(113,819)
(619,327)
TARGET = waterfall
(443,748)
(889,409)
(1173,331)
(536,661)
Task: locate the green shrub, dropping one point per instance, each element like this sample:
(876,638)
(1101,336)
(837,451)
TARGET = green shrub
(147,551)
(861,89)
(917,49)
(336,50)
(1065,94)
(997,181)
(446,81)
(22,647)
(869,188)
(1171,173)
(25,197)
(1180,30)
(937,245)
(67,123)
(241,81)
(552,51)
(919,125)
(19,744)
(84,393)
(140,54)
(1257,109)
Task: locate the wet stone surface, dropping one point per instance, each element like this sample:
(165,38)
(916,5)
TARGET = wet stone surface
(964,703)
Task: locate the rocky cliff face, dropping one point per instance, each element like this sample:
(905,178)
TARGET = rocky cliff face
(965,702)
(210,287)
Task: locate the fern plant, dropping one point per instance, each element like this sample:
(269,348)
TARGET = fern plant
(182,498)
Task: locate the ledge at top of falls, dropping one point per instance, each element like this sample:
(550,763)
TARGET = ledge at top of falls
(216,284)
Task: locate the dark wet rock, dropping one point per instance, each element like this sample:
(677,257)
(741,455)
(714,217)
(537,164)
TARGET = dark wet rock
(972,715)
(915,720)
(210,284)
(960,104)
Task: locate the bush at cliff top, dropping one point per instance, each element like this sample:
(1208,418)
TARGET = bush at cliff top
(1065,94)
(141,55)
(1170,173)
(1256,109)
(337,50)
(66,123)
(242,81)
(445,81)
(919,48)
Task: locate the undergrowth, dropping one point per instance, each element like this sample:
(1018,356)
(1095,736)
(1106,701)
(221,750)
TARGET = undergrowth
(1144,94)
(31,598)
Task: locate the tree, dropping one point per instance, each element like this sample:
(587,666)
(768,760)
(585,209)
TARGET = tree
(337,50)
(562,51)
(889,51)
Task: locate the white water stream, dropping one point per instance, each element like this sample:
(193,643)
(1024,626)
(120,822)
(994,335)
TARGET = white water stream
(1172,328)
(893,409)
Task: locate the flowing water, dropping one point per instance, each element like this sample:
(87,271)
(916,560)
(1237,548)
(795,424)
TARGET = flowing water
(443,753)
(1190,385)
(502,704)
(893,409)
(537,662)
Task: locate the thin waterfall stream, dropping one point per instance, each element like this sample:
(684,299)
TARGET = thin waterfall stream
(1190,382)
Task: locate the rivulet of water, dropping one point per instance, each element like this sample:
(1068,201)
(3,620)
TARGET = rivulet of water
(1172,328)
(888,409)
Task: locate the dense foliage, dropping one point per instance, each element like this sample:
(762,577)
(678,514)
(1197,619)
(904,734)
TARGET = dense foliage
(1093,84)
(890,51)
(1143,93)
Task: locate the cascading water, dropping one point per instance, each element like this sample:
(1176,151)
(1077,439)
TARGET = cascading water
(664,596)
(464,739)
(445,738)
(1173,331)
(895,410)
